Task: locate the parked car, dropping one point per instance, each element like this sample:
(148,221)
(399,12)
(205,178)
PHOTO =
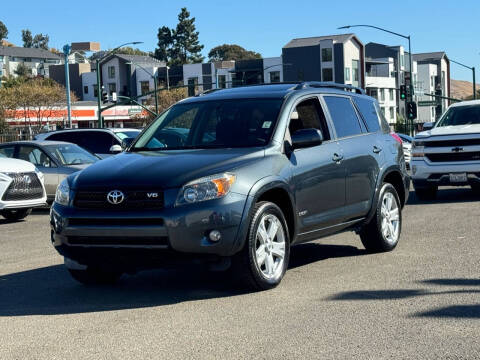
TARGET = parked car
(407,148)
(21,188)
(448,152)
(102,142)
(263,168)
(55,159)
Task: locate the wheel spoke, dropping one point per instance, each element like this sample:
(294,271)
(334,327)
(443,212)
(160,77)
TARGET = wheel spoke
(391,230)
(278,249)
(394,215)
(262,232)
(389,201)
(269,264)
(272,230)
(261,255)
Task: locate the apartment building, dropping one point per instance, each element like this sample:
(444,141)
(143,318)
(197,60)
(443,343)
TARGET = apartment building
(36,60)
(434,81)
(337,58)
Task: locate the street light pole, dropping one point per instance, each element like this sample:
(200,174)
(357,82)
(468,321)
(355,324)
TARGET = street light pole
(66,53)
(473,76)
(99,82)
(168,80)
(409,53)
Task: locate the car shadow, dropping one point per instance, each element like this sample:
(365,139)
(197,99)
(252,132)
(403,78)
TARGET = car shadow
(51,291)
(446,196)
(452,311)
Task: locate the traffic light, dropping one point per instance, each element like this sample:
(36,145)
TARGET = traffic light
(403,92)
(104,96)
(412,110)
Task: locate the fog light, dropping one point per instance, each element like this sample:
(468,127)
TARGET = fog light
(215,235)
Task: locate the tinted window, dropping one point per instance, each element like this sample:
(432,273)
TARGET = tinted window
(310,115)
(35,156)
(7,151)
(98,142)
(369,113)
(343,116)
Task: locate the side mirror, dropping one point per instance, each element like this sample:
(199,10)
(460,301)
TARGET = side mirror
(127,142)
(304,138)
(115,149)
(428,126)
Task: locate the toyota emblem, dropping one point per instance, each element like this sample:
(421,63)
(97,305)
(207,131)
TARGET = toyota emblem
(115,197)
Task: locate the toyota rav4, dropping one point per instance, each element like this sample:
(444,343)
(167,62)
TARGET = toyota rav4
(255,171)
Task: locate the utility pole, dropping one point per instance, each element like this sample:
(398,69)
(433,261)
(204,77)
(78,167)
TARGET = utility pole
(473,76)
(66,53)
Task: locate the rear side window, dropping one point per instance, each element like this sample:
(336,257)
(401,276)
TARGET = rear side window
(7,151)
(369,113)
(98,142)
(343,115)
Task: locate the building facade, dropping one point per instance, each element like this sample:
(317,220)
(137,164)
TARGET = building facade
(36,60)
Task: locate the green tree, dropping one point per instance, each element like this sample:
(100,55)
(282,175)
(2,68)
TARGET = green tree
(3,32)
(27,38)
(180,45)
(231,52)
(127,50)
(40,41)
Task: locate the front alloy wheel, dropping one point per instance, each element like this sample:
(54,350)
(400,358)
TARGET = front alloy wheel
(262,262)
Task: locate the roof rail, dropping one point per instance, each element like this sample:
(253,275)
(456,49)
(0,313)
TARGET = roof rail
(320,84)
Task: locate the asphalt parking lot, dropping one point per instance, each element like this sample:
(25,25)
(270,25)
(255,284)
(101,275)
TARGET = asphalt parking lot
(421,301)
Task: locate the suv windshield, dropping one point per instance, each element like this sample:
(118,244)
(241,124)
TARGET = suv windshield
(71,154)
(461,115)
(212,124)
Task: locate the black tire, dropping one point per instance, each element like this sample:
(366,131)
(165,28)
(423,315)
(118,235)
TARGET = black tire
(245,265)
(429,193)
(372,236)
(475,188)
(95,276)
(17,214)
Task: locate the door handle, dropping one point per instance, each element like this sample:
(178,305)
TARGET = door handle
(337,158)
(376,149)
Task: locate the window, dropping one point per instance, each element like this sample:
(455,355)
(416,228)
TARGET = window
(95,90)
(97,142)
(7,151)
(71,154)
(355,65)
(392,112)
(145,87)
(402,60)
(347,74)
(383,110)
(327,54)
(274,76)
(327,74)
(112,87)
(111,72)
(85,89)
(382,94)
(433,113)
(310,115)
(369,113)
(390,92)
(222,81)
(343,116)
(35,156)
(432,81)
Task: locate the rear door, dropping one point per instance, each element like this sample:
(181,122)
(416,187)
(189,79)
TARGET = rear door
(361,151)
(318,176)
(44,163)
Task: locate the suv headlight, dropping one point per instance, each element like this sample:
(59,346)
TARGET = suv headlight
(62,196)
(418,148)
(206,188)
(5,177)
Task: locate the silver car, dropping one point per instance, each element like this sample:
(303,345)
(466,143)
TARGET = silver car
(55,159)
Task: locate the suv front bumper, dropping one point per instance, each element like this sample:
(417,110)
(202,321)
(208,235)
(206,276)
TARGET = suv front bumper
(87,236)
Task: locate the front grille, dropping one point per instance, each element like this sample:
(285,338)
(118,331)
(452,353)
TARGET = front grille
(115,222)
(25,186)
(133,200)
(452,157)
(119,240)
(452,143)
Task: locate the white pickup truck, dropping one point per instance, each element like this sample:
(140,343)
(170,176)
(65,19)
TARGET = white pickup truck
(448,152)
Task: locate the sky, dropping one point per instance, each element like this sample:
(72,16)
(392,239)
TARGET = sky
(260,25)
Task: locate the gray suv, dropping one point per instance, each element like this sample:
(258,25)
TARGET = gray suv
(259,169)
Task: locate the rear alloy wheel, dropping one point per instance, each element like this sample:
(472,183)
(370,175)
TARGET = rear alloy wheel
(383,231)
(263,261)
(429,193)
(17,214)
(95,276)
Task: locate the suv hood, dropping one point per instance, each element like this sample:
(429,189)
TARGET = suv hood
(15,165)
(451,130)
(163,169)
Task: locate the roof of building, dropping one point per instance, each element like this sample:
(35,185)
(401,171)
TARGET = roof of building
(27,52)
(315,40)
(139,59)
(429,56)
